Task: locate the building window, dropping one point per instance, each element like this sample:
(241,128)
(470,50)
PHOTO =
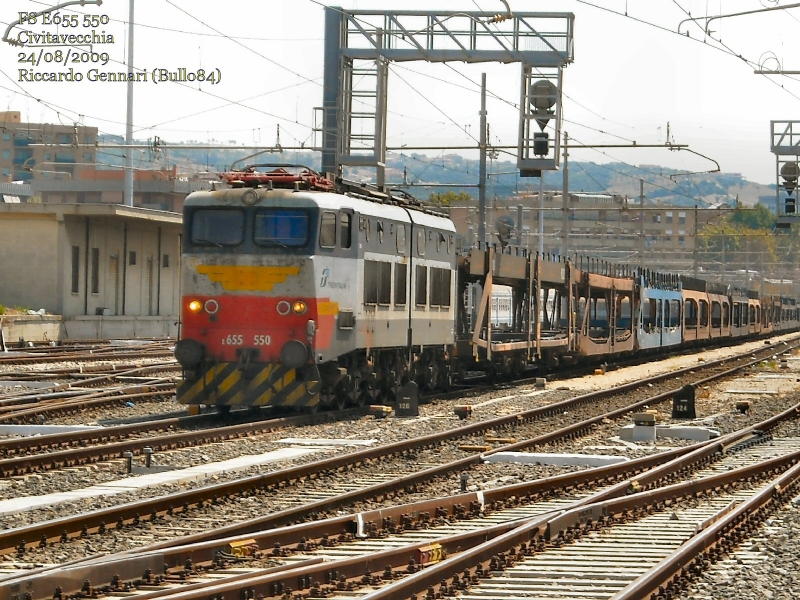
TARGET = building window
(401,240)
(165,261)
(87,156)
(656,218)
(377,282)
(132,258)
(6,153)
(400,283)
(422,285)
(421,243)
(6,136)
(681,240)
(440,287)
(95,270)
(669,217)
(681,218)
(76,264)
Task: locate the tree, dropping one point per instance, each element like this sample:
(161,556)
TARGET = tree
(734,247)
(759,217)
(448,198)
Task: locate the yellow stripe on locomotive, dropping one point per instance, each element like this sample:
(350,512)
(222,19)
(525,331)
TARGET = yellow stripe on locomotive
(227,384)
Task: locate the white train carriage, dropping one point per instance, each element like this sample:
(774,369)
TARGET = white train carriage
(659,323)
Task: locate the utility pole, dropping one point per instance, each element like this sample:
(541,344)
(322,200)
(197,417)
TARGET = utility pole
(641,224)
(127,192)
(482,182)
(565,202)
(696,242)
(541,214)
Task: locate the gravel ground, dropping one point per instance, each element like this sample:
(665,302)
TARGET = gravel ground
(84,364)
(767,566)
(715,409)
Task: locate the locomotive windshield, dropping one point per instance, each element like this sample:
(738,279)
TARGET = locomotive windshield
(217,227)
(281,227)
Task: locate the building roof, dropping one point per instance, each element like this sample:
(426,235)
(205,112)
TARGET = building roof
(117,211)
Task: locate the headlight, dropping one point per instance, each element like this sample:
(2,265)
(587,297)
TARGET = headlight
(283,308)
(195,306)
(299,307)
(212,306)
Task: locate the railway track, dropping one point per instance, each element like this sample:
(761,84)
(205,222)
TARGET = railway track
(574,537)
(29,356)
(271,486)
(109,449)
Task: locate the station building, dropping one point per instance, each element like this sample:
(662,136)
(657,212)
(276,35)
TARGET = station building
(98,270)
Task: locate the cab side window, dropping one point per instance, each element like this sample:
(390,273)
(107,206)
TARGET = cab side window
(346,223)
(327,229)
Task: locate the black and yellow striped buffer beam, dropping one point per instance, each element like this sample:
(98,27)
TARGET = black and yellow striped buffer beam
(226,384)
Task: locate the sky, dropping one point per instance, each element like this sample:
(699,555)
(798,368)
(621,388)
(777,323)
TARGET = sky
(634,72)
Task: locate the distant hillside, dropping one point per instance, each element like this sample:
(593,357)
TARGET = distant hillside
(414,168)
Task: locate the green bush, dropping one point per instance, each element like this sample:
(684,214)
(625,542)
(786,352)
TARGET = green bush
(2,309)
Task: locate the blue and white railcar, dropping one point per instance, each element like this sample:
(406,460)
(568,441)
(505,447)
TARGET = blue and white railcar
(660,315)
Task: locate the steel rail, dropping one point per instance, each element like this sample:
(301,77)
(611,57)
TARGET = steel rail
(84,455)
(467,549)
(721,535)
(74,405)
(77,357)
(386,489)
(570,524)
(71,526)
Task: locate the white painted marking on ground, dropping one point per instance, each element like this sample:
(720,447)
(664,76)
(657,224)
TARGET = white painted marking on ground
(120,486)
(326,442)
(33,385)
(544,458)
(493,400)
(28,430)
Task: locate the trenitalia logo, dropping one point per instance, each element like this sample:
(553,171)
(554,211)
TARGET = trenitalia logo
(324,279)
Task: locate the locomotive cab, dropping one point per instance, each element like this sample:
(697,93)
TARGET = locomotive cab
(249,312)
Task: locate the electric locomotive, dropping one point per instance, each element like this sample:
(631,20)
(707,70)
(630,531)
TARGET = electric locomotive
(298,294)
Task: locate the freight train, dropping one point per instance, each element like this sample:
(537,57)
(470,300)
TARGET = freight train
(304,292)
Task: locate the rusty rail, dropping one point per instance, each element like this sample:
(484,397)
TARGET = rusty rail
(470,553)
(71,526)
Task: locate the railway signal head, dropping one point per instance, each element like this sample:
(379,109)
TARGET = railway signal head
(790,172)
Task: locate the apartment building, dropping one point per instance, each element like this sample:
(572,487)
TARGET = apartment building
(609,227)
(30,151)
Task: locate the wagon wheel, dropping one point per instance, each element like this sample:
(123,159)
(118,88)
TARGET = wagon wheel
(336,399)
(428,373)
(339,400)
(356,395)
